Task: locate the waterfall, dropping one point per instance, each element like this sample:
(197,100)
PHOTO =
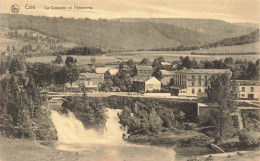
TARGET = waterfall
(103,146)
(70,130)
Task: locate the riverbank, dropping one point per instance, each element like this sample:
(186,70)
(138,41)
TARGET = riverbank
(29,150)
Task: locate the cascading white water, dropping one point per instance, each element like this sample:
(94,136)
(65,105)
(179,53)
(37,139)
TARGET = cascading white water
(71,130)
(103,146)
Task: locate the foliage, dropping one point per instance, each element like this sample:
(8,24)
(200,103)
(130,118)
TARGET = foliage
(90,111)
(249,138)
(58,60)
(19,106)
(244,39)
(144,61)
(221,94)
(70,61)
(15,66)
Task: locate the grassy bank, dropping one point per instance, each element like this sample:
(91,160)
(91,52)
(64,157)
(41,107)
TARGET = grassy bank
(29,150)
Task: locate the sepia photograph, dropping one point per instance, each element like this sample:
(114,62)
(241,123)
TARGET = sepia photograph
(139,80)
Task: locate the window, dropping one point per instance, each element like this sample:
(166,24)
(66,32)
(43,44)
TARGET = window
(242,95)
(199,90)
(206,77)
(199,77)
(193,83)
(243,89)
(193,76)
(193,91)
(252,89)
(199,83)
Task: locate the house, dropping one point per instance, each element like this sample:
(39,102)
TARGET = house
(141,83)
(166,65)
(191,82)
(166,81)
(90,81)
(101,70)
(86,81)
(113,71)
(143,70)
(248,89)
(167,76)
(166,73)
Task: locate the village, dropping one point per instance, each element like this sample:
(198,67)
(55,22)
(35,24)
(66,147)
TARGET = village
(204,101)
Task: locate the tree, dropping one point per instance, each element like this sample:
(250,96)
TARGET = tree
(157,73)
(41,73)
(93,60)
(155,63)
(222,93)
(131,63)
(15,66)
(144,61)
(60,77)
(160,59)
(70,61)
(185,63)
(58,60)
(73,74)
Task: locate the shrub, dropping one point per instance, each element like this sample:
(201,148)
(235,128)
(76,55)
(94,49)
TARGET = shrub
(249,138)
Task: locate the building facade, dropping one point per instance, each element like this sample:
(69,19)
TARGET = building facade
(248,89)
(143,70)
(191,82)
(146,84)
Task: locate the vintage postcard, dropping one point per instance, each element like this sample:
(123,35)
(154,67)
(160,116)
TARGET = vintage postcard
(139,80)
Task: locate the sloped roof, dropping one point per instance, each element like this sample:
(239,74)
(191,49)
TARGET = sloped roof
(140,78)
(113,71)
(166,80)
(248,82)
(167,73)
(204,71)
(91,75)
(141,67)
(165,63)
(101,70)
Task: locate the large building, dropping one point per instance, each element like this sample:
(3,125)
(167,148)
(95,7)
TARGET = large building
(191,82)
(87,81)
(248,89)
(141,83)
(143,70)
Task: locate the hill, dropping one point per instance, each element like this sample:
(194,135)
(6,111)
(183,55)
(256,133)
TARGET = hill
(252,37)
(216,29)
(118,35)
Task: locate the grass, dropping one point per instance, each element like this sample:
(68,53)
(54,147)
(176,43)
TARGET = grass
(29,150)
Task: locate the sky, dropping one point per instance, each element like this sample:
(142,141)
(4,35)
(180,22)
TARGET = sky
(228,10)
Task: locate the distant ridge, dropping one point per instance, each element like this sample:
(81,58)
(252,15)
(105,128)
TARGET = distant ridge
(129,34)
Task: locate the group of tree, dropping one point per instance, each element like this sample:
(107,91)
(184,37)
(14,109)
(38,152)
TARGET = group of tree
(241,69)
(90,111)
(47,74)
(150,118)
(82,51)
(121,80)
(222,93)
(19,105)
(252,37)
(27,48)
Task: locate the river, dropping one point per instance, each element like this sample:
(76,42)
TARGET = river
(107,145)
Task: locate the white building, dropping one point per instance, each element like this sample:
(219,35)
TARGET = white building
(146,84)
(248,89)
(191,82)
